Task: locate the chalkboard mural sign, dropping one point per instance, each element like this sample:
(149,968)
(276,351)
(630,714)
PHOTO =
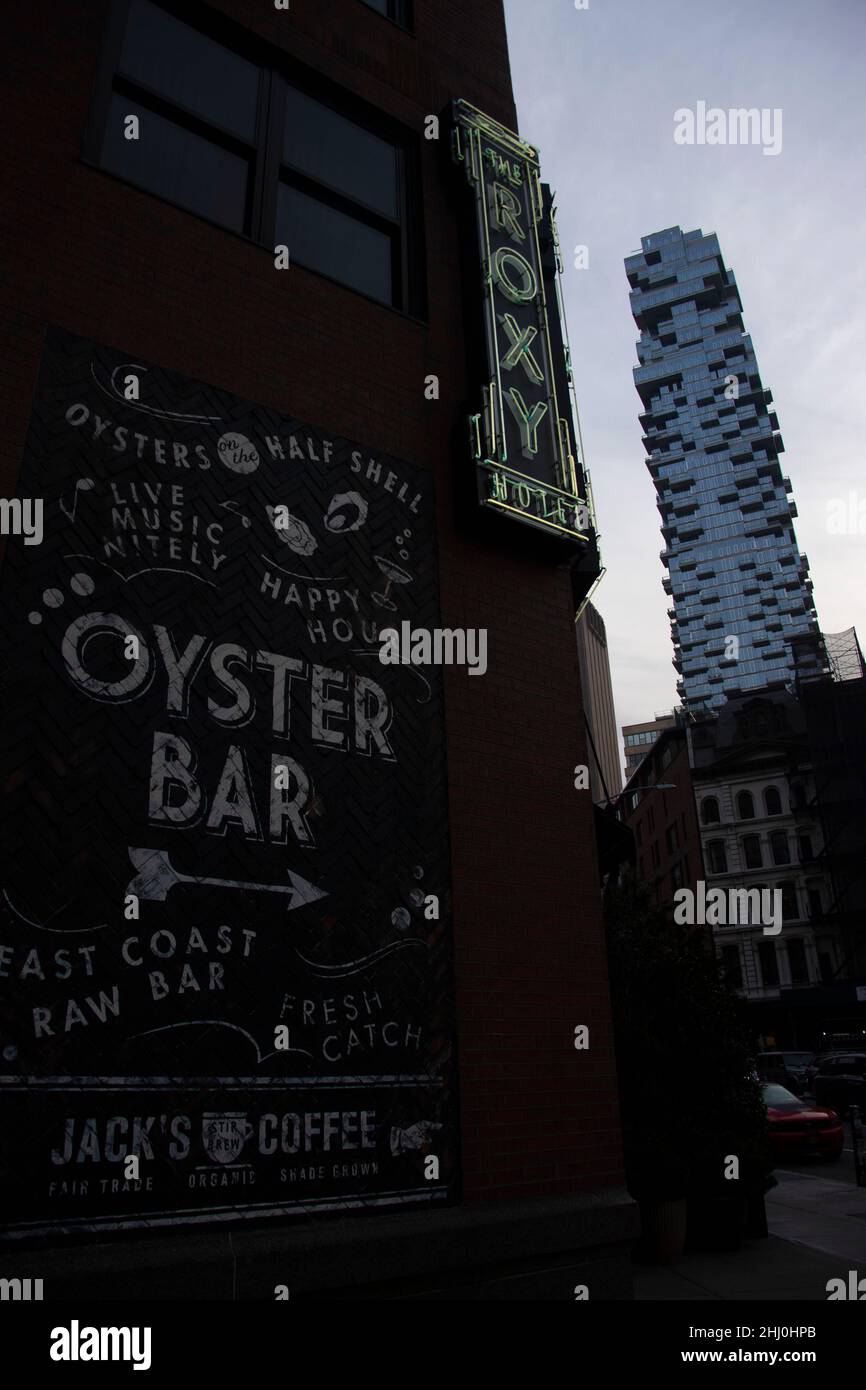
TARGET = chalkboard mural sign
(224,898)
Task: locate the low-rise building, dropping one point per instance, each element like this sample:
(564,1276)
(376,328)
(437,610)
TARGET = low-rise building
(639,738)
(758,778)
(658,806)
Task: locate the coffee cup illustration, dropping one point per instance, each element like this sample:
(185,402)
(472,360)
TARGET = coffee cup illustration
(224,1134)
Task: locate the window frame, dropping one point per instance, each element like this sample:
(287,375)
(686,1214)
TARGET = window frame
(779,839)
(277,72)
(790,900)
(797,950)
(279,171)
(733,974)
(717,852)
(766,951)
(706,817)
(757,840)
(399,13)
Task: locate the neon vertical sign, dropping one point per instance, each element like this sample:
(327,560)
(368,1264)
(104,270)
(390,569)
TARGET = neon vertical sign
(522,438)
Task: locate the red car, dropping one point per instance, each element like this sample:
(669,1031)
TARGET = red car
(798,1130)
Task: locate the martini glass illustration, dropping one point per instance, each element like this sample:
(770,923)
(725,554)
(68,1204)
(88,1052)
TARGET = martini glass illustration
(393,575)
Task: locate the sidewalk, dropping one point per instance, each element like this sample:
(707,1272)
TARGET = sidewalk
(817,1232)
(821,1214)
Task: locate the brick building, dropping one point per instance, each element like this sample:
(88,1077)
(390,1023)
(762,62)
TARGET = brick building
(142,300)
(639,738)
(658,806)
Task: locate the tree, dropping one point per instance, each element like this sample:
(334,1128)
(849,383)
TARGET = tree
(688,1094)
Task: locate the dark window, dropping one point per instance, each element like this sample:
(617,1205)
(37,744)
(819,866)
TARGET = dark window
(323,144)
(790,906)
(799,796)
(189,70)
(745,806)
(322,238)
(651,818)
(718,860)
(672,838)
(676,876)
(769,963)
(805,842)
(732,967)
(196,106)
(709,811)
(752,851)
(825,963)
(397,10)
(773,801)
(779,847)
(814,896)
(177,164)
(338,208)
(797,962)
(236,142)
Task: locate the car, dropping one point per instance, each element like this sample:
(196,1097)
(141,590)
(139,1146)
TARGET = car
(841,1081)
(796,1129)
(823,1055)
(788,1068)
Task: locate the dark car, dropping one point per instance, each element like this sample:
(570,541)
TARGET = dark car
(825,1053)
(841,1081)
(796,1129)
(788,1068)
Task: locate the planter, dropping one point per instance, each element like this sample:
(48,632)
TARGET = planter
(663,1226)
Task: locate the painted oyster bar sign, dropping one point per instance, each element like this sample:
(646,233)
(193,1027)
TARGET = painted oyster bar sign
(522,438)
(224,917)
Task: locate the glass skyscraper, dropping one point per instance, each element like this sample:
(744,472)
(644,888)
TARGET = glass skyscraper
(739,585)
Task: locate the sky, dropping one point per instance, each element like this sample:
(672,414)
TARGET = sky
(596,91)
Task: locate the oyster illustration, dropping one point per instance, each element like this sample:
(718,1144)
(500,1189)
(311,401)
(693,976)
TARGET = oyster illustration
(347,511)
(292,531)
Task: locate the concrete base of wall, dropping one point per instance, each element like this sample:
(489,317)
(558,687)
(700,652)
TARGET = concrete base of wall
(537,1249)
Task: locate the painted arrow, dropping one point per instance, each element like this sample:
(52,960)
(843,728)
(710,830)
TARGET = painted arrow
(155,879)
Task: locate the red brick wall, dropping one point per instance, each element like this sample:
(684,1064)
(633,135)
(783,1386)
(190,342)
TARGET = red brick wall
(656,812)
(104,260)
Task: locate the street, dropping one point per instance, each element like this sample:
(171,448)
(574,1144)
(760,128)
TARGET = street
(839,1170)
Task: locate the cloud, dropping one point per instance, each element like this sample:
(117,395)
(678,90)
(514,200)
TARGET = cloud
(596,90)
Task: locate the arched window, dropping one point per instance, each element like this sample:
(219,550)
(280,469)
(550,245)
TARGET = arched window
(745,806)
(772,801)
(710,810)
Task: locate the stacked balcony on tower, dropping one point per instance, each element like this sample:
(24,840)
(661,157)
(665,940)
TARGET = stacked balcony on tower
(740,588)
